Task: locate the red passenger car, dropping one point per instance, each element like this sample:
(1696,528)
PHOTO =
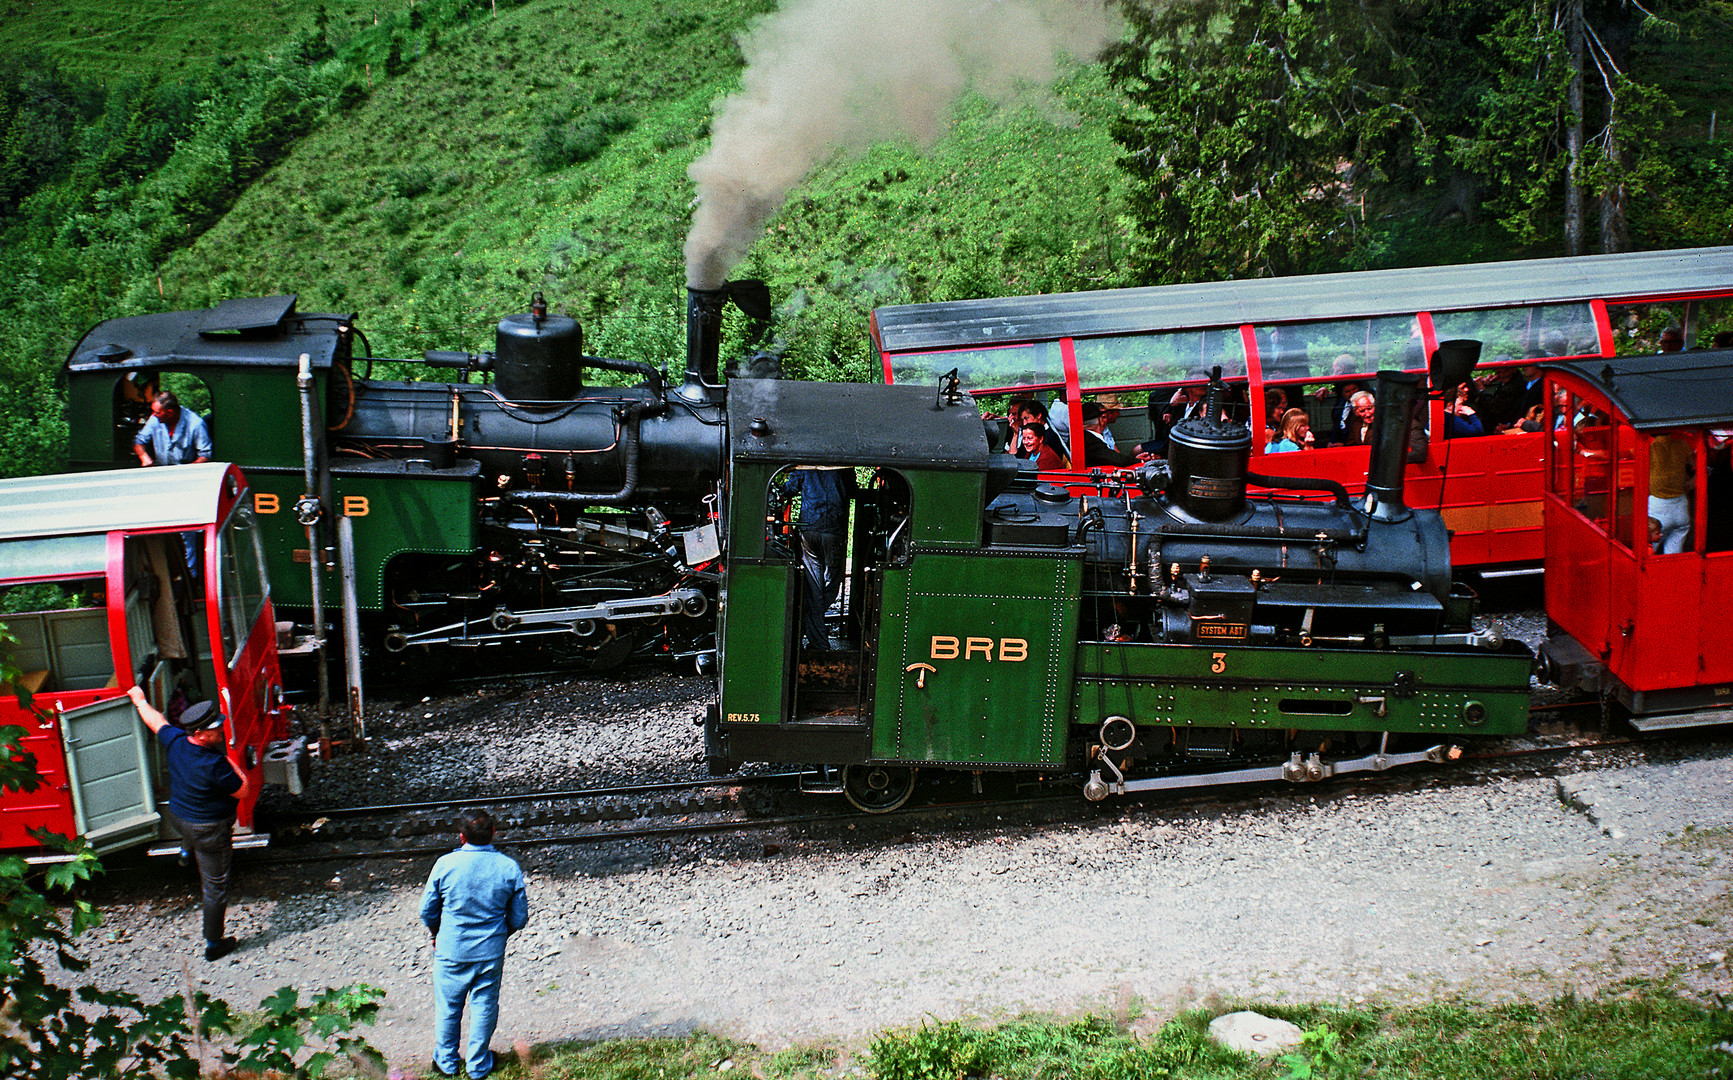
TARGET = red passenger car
(1639,553)
(152,576)
(1310,335)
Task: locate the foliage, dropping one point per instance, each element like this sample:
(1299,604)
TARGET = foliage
(1248,125)
(1319,1057)
(1277,137)
(542,145)
(54,1032)
(1513,142)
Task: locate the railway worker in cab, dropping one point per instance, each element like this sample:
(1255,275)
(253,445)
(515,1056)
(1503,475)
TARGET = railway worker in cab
(204,790)
(825,494)
(174,436)
(474,900)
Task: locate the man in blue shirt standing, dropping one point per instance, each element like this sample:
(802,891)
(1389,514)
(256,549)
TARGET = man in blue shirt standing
(204,790)
(474,900)
(174,436)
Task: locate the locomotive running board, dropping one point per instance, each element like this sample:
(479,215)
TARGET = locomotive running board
(1312,769)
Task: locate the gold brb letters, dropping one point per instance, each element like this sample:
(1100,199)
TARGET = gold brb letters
(1012,650)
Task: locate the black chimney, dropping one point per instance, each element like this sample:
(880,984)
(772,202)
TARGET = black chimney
(1396,394)
(703,336)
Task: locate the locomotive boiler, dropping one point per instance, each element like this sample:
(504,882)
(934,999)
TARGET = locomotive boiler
(534,505)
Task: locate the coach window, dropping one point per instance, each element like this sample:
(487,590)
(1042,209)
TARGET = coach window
(1150,359)
(1038,365)
(1583,458)
(1312,350)
(241,584)
(1674,461)
(1516,333)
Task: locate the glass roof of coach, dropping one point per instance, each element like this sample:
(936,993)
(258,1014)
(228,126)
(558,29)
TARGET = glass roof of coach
(64,504)
(57,526)
(1630,276)
(1013,340)
(1672,390)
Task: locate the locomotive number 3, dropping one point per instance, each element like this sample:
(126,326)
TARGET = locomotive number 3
(1218,662)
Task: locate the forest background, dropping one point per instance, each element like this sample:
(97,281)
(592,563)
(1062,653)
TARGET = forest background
(429,164)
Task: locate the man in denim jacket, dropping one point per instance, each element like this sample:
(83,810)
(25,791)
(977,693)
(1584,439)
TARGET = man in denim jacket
(474,900)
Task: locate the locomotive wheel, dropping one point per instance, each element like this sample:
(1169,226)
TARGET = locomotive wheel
(877,789)
(613,652)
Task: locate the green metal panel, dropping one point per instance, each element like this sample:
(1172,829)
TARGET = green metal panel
(975,653)
(256,414)
(1308,689)
(90,421)
(397,514)
(393,514)
(748,488)
(948,505)
(756,630)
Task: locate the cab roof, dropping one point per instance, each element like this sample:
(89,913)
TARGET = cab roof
(1671,390)
(859,423)
(267,329)
(77,504)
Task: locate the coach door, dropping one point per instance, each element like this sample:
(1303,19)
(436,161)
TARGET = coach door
(108,766)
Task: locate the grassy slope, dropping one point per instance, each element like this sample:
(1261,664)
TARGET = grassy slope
(99,38)
(1011,203)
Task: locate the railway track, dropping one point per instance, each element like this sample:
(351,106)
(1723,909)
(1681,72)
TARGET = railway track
(756,804)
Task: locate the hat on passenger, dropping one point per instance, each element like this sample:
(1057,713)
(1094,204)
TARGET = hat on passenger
(202,716)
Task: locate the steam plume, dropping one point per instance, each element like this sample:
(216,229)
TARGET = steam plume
(827,75)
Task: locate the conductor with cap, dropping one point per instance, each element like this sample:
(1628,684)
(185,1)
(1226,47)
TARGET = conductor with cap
(204,790)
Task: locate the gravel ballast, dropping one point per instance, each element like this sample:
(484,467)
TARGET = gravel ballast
(1520,888)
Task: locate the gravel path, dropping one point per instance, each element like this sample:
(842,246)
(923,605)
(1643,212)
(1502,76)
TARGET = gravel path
(1523,888)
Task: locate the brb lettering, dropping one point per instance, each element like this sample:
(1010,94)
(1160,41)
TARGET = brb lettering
(1011,649)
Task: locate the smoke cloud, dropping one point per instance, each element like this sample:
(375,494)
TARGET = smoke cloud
(830,75)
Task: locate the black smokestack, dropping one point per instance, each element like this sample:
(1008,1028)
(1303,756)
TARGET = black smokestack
(704,334)
(1396,394)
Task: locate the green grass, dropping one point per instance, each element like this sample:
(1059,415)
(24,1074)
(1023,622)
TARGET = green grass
(1647,1034)
(113,39)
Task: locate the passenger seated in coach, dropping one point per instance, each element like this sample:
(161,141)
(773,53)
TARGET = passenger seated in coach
(1460,419)
(1016,415)
(1035,448)
(1035,416)
(1106,412)
(1296,433)
(1363,407)
(1096,450)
